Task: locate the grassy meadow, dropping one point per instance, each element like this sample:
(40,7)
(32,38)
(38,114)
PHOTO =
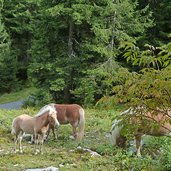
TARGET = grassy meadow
(65,154)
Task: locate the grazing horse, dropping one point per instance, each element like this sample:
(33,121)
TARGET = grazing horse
(69,114)
(155,123)
(37,126)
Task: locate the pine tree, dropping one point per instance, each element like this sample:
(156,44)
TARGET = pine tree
(17,17)
(7,63)
(159,33)
(72,38)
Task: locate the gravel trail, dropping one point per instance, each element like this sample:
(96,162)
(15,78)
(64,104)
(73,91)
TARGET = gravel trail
(12,105)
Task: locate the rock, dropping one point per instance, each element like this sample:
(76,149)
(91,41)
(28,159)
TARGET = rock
(51,168)
(93,153)
(61,165)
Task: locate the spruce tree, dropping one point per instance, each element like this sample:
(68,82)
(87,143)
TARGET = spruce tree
(72,38)
(7,62)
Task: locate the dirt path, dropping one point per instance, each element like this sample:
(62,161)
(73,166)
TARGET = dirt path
(12,105)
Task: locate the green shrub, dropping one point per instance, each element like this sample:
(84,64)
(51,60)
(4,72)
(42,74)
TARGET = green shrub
(165,156)
(39,98)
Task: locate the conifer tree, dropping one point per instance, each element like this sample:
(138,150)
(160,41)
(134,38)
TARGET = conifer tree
(17,18)
(73,37)
(7,63)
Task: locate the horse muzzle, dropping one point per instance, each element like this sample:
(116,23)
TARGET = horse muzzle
(56,123)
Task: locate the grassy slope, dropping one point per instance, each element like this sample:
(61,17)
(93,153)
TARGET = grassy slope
(64,150)
(23,94)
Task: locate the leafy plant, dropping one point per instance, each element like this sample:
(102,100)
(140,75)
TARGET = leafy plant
(151,57)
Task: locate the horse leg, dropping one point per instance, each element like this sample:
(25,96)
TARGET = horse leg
(74,132)
(48,132)
(138,144)
(15,143)
(41,140)
(32,139)
(20,137)
(55,135)
(36,141)
(53,131)
(16,140)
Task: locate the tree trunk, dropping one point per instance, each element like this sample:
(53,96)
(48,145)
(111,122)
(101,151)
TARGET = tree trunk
(67,95)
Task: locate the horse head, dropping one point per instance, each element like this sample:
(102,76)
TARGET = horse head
(121,141)
(53,117)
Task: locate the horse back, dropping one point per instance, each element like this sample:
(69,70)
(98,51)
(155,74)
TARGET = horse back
(19,119)
(23,122)
(154,123)
(68,113)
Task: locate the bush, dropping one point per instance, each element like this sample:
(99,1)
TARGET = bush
(39,98)
(165,156)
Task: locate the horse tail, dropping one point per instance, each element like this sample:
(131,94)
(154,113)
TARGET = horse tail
(115,132)
(13,131)
(81,124)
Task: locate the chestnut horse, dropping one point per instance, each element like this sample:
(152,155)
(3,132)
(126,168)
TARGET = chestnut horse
(72,114)
(37,126)
(155,123)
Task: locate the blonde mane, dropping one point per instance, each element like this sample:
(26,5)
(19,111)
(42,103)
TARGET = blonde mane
(49,107)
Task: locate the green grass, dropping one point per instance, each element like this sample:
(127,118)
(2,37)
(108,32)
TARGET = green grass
(64,151)
(18,95)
